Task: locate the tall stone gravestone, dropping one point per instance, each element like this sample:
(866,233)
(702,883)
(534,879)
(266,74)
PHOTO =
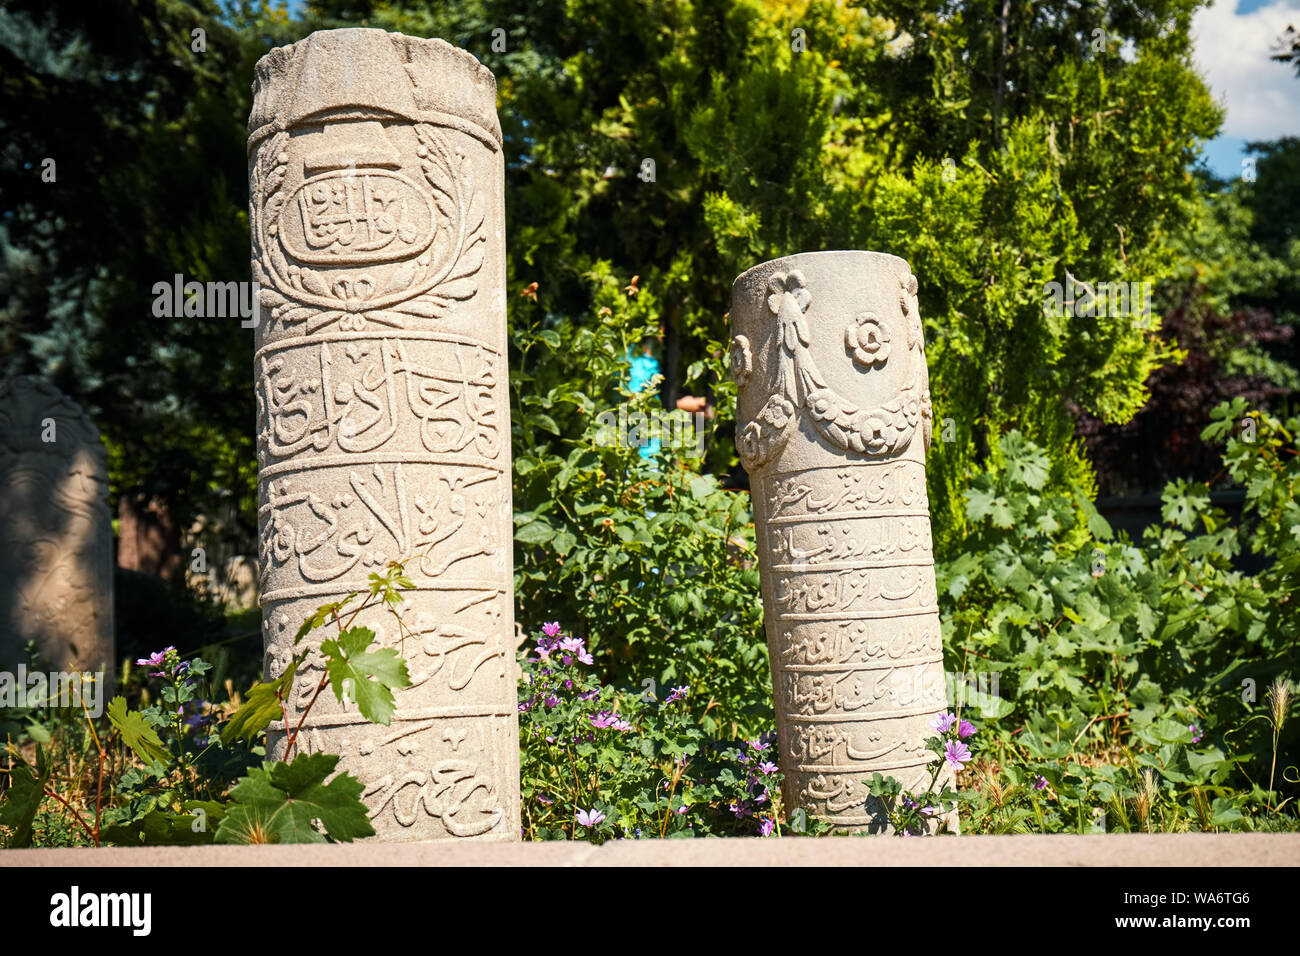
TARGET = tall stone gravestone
(56,534)
(377,215)
(833,424)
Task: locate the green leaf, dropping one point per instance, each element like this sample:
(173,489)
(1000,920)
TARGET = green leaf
(283,802)
(702,486)
(1027,464)
(164,828)
(136,733)
(23,798)
(321,615)
(535,532)
(369,675)
(260,707)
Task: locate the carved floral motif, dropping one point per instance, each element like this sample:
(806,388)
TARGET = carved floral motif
(429,245)
(879,432)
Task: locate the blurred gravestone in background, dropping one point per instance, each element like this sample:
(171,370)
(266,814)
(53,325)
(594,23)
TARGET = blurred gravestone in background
(56,536)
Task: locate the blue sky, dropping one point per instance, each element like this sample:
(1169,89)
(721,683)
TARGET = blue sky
(1233,40)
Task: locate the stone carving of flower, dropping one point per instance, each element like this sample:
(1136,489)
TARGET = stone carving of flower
(868,339)
(762,437)
(876,433)
(791,283)
(742,360)
(907,292)
(912,411)
(779,411)
(750,437)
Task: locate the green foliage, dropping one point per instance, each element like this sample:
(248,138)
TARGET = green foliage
(263,705)
(1116,659)
(365,676)
(23,798)
(598,762)
(173,795)
(161,191)
(646,559)
(281,803)
(136,732)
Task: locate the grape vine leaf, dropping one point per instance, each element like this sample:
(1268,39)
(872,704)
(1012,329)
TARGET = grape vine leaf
(136,732)
(261,706)
(283,802)
(370,676)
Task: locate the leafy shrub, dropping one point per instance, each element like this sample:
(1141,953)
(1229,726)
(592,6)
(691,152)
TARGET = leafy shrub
(598,762)
(1130,672)
(648,561)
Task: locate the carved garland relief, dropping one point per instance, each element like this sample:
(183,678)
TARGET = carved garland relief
(880,432)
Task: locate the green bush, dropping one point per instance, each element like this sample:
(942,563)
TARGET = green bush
(1133,676)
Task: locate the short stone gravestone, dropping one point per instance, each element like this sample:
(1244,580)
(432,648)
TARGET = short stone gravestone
(833,424)
(377,213)
(56,535)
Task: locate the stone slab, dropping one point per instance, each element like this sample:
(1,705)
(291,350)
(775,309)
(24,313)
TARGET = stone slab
(1110,850)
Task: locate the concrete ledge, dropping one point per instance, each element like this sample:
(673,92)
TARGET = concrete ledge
(1186,850)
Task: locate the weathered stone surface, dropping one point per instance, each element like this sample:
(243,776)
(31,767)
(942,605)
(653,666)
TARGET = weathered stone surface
(833,424)
(1025,850)
(56,533)
(377,214)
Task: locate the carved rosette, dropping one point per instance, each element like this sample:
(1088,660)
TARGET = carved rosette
(56,533)
(833,423)
(377,220)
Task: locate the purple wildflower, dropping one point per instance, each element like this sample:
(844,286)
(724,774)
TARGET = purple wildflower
(759,745)
(1196,733)
(605,719)
(589,819)
(942,722)
(957,754)
(1040,782)
(766,827)
(767,767)
(677,694)
(551,628)
(965,729)
(552,700)
(156,659)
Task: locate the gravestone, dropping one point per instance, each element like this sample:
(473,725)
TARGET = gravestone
(56,534)
(833,424)
(377,216)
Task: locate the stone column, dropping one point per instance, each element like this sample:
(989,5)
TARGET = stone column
(833,424)
(56,535)
(377,217)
